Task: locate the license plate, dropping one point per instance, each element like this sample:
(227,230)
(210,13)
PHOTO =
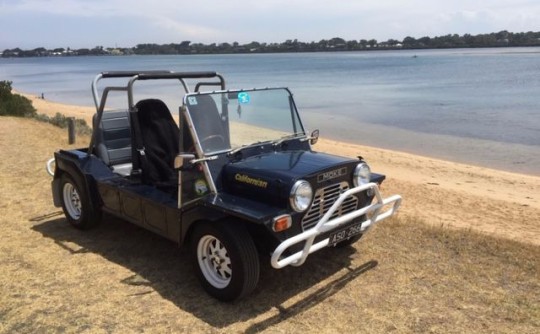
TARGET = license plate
(344,234)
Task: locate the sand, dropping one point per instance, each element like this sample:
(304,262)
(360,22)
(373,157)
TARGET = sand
(439,192)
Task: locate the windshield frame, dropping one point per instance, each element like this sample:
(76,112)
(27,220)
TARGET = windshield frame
(299,130)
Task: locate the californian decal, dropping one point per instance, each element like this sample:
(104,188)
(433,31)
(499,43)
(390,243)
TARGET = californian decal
(331,174)
(251,180)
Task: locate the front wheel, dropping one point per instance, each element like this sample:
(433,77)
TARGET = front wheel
(76,204)
(225,259)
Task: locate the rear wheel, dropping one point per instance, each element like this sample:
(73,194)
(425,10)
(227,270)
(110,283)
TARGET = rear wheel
(225,260)
(76,204)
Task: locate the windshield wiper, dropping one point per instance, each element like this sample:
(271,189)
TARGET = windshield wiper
(287,137)
(274,143)
(238,149)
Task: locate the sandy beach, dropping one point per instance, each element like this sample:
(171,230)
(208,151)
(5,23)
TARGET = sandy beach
(439,192)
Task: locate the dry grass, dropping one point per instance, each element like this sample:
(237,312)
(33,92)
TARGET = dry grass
(405,276)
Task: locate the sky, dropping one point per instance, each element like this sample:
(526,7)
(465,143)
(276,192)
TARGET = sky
(30,24)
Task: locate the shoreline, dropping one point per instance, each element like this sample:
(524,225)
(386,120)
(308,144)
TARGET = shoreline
(439,192)
(50,107)
(504,156)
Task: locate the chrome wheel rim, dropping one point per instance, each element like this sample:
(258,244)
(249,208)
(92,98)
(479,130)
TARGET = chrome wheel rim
(72,201)
(214,261)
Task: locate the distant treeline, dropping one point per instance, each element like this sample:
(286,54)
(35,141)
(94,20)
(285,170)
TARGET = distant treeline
(500,39)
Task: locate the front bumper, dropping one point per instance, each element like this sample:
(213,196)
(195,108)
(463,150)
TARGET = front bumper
(372,213)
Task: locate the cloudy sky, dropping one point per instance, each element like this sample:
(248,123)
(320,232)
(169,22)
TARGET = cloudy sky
(30,24)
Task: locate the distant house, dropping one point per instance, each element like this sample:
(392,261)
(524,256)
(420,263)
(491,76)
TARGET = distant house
(390,44)
(116,52)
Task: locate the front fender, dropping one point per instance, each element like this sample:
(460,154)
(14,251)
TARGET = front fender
(214,207)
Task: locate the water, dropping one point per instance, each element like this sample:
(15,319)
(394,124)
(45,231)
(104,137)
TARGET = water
(477,106)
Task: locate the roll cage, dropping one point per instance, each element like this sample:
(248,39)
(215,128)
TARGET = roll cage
(100,100)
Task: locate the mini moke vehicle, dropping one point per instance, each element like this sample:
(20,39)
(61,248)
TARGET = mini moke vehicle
(234,177)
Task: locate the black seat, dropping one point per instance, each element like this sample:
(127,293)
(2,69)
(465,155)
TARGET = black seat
(113,140)
(160,140)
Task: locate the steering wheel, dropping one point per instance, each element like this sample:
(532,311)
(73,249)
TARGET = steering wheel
(218,139)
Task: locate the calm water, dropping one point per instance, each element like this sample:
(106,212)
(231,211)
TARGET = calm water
(478,106)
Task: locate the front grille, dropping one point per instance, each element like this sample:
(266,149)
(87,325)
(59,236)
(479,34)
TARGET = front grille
(324,198)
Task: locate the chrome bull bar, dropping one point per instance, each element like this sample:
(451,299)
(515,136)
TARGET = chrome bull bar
(324,225)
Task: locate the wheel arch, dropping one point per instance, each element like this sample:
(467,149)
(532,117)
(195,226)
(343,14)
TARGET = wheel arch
(258,232)
(201,215)
(255,216)
(73,169)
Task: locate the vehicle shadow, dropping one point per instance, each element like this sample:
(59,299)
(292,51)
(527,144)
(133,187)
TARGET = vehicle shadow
(164,268)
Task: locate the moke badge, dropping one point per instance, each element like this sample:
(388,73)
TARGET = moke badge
(331,174)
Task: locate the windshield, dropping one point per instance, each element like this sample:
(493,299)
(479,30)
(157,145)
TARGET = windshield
(234,119)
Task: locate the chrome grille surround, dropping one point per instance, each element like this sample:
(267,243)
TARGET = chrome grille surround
(323,199)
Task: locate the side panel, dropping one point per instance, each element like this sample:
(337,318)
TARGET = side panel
(142,205)
(131,207)
(111,199)
(155,216)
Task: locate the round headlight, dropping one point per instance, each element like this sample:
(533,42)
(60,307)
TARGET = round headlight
(362,174)
(301,194)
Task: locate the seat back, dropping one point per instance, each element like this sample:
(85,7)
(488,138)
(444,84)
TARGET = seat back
(160,140)
(113,137)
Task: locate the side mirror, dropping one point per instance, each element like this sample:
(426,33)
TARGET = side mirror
(314,137)
(182,160)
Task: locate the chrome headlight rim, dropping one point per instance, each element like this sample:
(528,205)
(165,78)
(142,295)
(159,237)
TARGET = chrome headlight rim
(301,196)
(362,174)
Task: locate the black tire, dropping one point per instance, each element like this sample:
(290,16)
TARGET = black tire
(76,204)
(225,259)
